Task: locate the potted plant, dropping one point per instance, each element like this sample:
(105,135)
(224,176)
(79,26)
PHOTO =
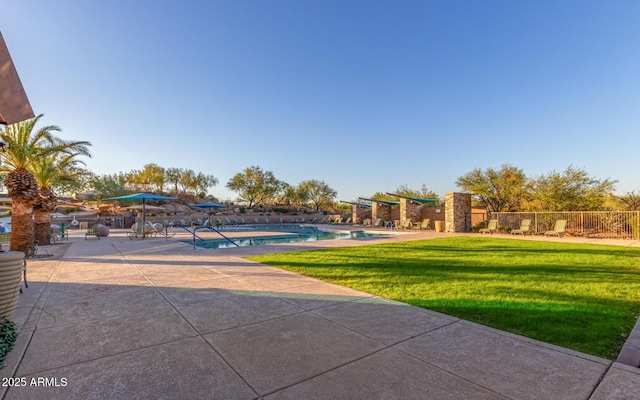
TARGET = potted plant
(11,267)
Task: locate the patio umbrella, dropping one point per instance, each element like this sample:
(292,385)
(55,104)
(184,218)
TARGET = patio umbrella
(144,197)
(208,205)
(145,207)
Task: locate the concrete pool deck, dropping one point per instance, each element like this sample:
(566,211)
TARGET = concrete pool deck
(154,318)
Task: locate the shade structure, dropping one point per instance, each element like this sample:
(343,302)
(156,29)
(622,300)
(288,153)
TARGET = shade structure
(209,205)
(415,199)
(144,207)
(14,104)
(143,197)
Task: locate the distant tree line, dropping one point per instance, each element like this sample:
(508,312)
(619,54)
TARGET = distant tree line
(510,189)
(254,186)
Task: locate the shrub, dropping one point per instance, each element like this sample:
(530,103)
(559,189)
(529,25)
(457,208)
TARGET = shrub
(8,336)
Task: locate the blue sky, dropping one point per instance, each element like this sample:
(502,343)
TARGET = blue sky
(365,95)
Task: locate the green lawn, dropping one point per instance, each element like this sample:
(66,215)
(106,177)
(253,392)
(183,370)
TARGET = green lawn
(583,297)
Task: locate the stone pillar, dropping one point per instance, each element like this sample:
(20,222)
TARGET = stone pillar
(410,210)
(457,212)
(360,213)
(380,210)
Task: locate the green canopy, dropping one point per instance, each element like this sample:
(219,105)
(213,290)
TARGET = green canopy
(415,199)
(356,204)
(385,202)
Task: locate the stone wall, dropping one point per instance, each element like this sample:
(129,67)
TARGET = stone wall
(457,212)
(360,213)
(433,213)
(382,211)
(410,210)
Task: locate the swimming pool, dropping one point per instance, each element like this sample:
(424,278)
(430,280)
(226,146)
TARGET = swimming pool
(291,233)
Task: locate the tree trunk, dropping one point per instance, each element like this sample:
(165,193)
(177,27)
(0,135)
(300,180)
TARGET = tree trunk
(22,226)
(42,226)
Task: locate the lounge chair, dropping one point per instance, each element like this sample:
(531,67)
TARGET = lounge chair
(377,222)
(92,230)
(406,224)
(525,227)
(197,222)
(138,232)
(150,229)
(302,220)
(425,225)
(266,220)
(492,227)
(558,229)
(314,221)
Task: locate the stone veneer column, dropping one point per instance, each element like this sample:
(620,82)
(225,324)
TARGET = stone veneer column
(457,212)
(360,213)
(382,211)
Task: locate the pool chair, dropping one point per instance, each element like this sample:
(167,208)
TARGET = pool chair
(152,230)
(525,227)
(377,223)
(197,222)
(242,221)
(302,220)
(425,225)
(558,229)
(406,224)
(256,220)
(492,227)
(266,220)
(138,232)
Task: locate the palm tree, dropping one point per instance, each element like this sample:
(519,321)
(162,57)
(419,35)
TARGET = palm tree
(53,168)
(24,145)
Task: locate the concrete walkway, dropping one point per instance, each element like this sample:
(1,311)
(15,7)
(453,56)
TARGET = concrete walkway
(156,319)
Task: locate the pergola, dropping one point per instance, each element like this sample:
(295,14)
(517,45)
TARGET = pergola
(381,208)
(411,207)
(360,211)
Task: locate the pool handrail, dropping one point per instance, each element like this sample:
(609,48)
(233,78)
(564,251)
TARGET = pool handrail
(212,229)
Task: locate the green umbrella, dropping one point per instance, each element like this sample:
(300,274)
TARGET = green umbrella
(143,197)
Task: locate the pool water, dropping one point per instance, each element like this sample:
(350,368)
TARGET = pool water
(294,234)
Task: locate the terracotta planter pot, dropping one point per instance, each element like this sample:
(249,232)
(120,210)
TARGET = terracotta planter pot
(11,264)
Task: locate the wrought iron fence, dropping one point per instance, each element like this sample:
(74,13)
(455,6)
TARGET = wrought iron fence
(596,224)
